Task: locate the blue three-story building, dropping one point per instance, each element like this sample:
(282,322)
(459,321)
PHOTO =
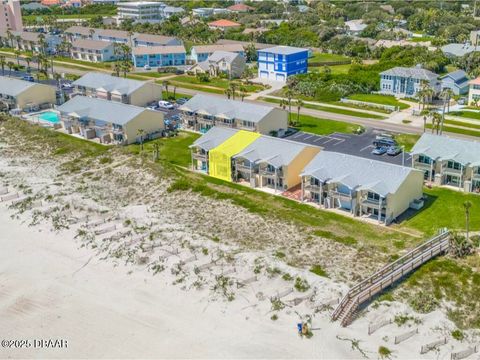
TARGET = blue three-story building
(279,62)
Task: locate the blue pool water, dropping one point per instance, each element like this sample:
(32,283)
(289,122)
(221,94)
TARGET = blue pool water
(50,116)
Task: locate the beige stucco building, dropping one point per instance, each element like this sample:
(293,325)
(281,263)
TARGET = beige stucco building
(202,112)
(362,187)
(448,161)
(221,62)
(25,95)
(110,122)
(126,91)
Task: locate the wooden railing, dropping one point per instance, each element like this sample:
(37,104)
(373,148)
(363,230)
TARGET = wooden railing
(387,275)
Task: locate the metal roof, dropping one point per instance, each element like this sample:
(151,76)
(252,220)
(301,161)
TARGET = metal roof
(457,76)
(412,72)
(82,30)
(284,50)
(216,47)
(357,173)
(214,137)
(445,148)
(274,151)
(13,87)
(457,49)
(233,109)
(100,109)
(110,83)
(228,56)
(91,44)
(152,50)
(157,39)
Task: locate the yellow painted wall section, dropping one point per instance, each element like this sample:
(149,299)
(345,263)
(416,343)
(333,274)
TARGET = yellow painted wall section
(220,158)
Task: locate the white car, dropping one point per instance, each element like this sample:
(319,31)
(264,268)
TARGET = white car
(165,105)
(147,67)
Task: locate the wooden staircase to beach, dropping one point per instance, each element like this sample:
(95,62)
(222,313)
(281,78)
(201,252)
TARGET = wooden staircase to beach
(386,276)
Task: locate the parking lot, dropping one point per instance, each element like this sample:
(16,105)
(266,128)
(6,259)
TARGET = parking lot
(358,145)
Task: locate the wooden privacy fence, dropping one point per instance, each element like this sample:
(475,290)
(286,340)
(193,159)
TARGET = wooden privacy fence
(430,346)
(386,276)
(464,353)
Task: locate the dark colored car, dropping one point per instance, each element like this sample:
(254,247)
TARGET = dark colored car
(181,101)
(394,150)
(379,150)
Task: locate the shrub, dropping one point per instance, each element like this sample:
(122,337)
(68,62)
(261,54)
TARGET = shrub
(458,335)
(301,285)
(318,270)
(384,352)
(423,302)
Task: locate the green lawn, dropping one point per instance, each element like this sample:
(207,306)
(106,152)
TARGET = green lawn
(458,130)
(324,126)
(101,65)
(461,123)
(152,74)
(177,95)
(221,84)
(379,99)
(407,140)
(325,57)
(444,208)
(336,69)
(174,150)
(329,109)
(466,114)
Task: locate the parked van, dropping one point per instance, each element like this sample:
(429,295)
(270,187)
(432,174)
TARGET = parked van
(165,105)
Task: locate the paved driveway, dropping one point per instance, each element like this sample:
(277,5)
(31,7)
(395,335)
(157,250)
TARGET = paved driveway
(358,145)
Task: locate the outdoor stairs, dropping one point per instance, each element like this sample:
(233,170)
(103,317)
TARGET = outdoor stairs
(389,274)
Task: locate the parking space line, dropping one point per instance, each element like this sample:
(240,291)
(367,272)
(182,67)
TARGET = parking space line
(366,147)
(298,135)
(328,141)
(339,142)
(342,135)
(308,137)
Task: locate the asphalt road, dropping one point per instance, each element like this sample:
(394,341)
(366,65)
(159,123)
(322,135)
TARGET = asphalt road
(366,122)
(358,145)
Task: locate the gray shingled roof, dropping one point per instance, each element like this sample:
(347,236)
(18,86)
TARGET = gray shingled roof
(219,55)
(214,137)
(232,109)
(199,49)
(283,50)
(157,39)
(90,44)
(357,173)
(444,148)
(457,49)
(457,76)
(110,83)
(152,50)
(13,87)
(100,109)
(412,72)
(274,151)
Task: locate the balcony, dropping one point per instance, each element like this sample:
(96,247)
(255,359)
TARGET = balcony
(422,165)
(200,156)
(313,188)
(340,195)
(240,167)
(373,203)
(270,173)
(452,171)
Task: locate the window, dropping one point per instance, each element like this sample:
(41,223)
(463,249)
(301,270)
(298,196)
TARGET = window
(373,196)
(424,159)
(270,168)
(454,165)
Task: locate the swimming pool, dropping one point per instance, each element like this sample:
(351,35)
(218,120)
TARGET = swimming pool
(49,116)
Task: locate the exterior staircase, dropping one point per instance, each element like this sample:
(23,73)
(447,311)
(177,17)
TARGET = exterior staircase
(386,276)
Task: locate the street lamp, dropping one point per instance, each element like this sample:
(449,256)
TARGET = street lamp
(403,155)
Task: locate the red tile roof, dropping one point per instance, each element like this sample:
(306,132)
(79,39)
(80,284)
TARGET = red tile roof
(475,81)
(241,8)
(223,23)
(51,2)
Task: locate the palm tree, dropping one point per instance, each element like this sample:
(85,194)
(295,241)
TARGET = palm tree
(233,88)
(57,78)
(28,60)
(299,107)
(243,92)
(10,65)
(289,95)
(17,56)
(165,84)
(10,37)
(3,62)
(446,95)
(436,121)
(228,93)
(141,134)
(467,205)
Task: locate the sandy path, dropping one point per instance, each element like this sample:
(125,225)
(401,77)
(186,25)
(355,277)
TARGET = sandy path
(104,312)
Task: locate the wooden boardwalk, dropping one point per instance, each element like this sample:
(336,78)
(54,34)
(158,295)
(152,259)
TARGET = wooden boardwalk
(386,276)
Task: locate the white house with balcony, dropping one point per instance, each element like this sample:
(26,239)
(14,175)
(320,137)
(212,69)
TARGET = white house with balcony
(361,187)
(448,161)
(203,112)
(92,50)
(406,82)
